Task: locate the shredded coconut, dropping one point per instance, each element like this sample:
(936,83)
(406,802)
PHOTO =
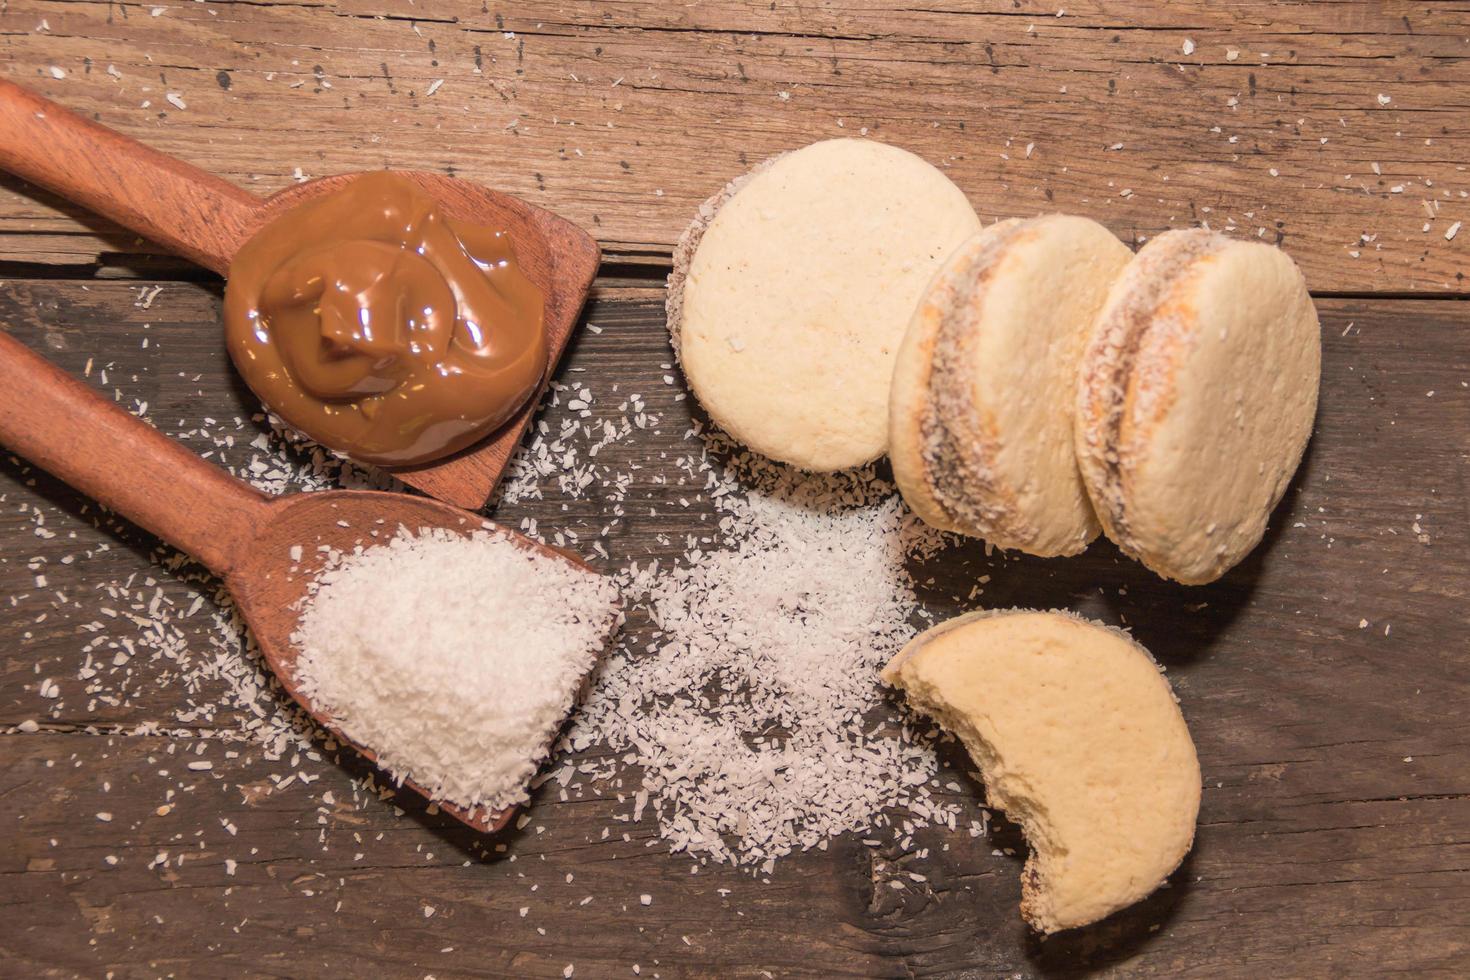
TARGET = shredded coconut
(754,712)
(455,658)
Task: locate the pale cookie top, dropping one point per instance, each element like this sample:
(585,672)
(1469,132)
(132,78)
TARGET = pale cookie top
(1079,738)
(799,291)
(1216,358)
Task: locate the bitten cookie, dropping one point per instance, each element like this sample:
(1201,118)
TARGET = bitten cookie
(1197,392)
(984,389)
(1079,740)
(792,289)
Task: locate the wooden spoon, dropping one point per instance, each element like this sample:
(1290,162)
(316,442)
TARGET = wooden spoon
(205,219)
(238,533)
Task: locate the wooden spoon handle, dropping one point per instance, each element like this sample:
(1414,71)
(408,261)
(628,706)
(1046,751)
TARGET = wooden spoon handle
(63,426)
(186,210)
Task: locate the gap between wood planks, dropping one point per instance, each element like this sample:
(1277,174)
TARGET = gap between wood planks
(618,271)
(636,268)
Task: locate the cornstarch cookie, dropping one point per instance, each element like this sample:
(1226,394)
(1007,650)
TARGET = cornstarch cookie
(1196,396)
(983,395)
(792,289)
(1079,740)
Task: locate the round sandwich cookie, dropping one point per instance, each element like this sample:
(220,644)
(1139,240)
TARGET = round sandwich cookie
(1078,738)
(792,289)
(1196,396)
(984,388)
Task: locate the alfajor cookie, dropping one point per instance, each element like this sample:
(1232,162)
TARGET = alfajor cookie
(792,289)
(1079,740)
(981,407)
(1196,397)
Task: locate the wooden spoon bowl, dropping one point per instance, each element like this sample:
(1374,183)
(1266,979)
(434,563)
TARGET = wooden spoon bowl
(242,535)
(206,220)
(268,584)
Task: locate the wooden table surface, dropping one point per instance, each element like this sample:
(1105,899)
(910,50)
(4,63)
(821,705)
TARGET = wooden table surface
(1326,680)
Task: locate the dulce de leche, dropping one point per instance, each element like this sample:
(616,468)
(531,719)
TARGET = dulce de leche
(378,326)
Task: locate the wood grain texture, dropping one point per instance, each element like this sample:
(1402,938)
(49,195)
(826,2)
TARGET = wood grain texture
(1322,680)
(1337,129)
(176,206)
(79,436)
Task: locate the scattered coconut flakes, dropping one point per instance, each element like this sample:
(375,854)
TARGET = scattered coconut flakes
(755,714)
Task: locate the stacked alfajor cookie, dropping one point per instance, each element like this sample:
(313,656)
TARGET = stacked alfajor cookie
(1195,400)
(980,418)
(1048,376)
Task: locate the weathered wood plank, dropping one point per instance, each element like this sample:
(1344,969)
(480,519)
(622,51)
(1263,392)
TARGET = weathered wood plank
(1336,824)
(1337,129)
(322,886)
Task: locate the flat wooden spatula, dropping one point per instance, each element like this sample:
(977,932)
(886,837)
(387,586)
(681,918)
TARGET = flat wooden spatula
(245,537)
(205,219)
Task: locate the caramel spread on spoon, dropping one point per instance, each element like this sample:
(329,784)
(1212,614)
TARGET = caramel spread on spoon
(381,328)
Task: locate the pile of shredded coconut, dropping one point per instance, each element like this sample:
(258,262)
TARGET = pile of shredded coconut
(754,709)
(455,658)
